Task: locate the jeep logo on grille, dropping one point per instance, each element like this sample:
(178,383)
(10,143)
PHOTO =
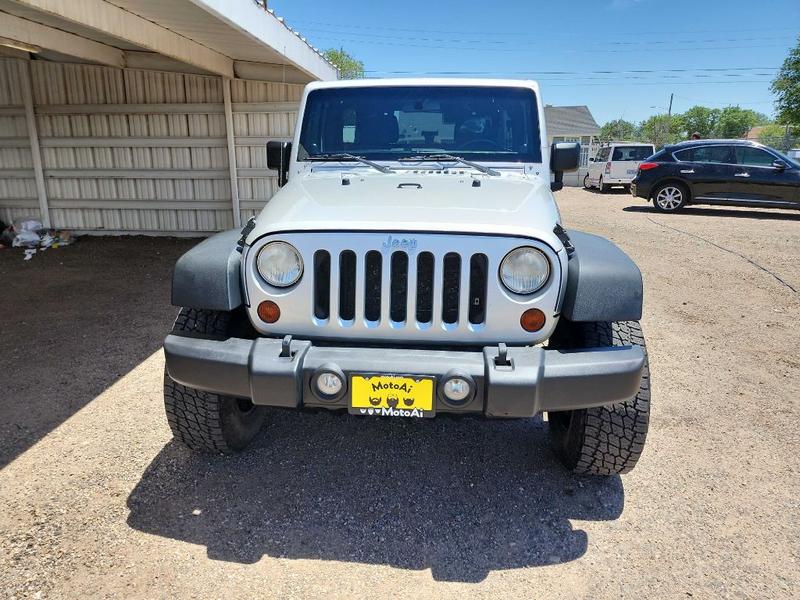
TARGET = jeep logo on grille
(393,243)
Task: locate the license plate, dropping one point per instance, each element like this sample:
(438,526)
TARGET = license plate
(391,396)
(631,171)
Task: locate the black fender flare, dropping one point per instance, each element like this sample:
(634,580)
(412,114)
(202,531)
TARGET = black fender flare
(209,275)
(603,283)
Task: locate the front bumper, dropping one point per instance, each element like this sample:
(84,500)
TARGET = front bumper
(530,381)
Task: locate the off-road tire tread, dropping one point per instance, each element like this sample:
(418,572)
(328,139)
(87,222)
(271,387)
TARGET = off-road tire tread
(195,416)
(613,436)
(205,323)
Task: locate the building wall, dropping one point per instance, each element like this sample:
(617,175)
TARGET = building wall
(130,150)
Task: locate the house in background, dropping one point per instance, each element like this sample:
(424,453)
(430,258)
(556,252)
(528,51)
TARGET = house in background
(573,124)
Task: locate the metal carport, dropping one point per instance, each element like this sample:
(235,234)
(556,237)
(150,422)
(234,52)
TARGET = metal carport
(145,116)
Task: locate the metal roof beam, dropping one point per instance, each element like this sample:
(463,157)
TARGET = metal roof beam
(112,20)
(36,34)
(258,24)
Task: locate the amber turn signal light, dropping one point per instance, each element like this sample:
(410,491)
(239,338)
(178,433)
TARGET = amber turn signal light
(269,312)
(532,320)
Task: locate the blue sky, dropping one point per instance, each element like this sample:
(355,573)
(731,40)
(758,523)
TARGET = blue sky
(693,46)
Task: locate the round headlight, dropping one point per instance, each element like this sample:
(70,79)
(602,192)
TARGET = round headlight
(280,264)
(524,270)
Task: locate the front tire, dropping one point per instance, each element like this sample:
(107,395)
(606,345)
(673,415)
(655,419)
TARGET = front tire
(670,197)
(604,440)
(586,184)
(204,421)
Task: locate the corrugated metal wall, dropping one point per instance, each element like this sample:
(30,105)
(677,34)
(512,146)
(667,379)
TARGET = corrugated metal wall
(135,150)
(17,185)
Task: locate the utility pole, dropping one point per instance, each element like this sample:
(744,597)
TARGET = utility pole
(669,116)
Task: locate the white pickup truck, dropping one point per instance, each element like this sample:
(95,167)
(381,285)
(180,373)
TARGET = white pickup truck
(616,163)
(413,263)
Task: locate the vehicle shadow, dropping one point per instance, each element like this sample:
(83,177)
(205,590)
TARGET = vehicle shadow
(614,191)
(461,496)
(76,320)
(739,213)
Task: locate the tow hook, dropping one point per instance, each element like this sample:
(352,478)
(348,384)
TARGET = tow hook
(286,347)
(502,360)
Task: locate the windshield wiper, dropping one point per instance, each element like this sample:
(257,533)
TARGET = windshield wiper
(454,158)
(347,156)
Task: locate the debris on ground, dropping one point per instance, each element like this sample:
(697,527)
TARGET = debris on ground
(30,234)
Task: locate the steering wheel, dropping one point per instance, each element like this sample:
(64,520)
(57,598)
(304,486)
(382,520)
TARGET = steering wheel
(468,143)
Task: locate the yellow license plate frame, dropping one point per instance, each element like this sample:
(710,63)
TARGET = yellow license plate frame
(385,395)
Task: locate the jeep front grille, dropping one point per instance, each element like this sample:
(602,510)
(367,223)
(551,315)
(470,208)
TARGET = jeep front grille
(434,278)
(405,288)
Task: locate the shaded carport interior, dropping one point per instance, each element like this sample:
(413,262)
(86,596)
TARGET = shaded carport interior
(134,117)
(144,116)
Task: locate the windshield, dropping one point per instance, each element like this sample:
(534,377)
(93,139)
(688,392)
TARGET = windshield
(388,123)
(632,152)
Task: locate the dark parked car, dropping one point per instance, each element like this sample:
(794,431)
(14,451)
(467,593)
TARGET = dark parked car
(733,172)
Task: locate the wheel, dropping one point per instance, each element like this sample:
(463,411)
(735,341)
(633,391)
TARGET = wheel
(586,184)
(670,197)
(603,186)
(203,421)
(604,440)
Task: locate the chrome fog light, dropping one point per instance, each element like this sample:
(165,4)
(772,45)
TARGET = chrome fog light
(328,382)
(457,388)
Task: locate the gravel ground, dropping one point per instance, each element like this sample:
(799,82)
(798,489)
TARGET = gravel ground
(97,501)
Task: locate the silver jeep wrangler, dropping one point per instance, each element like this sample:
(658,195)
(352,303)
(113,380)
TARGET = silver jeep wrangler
(413,263)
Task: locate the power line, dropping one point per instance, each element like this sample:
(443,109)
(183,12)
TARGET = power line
(484,49)
(598,72)
(407,38)
(512,33)
(665,83)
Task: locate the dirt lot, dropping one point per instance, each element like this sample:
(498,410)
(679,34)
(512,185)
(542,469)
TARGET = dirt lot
(96,500)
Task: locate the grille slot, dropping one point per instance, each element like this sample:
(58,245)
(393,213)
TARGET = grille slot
(399,287)
(322,284)
(451,285)
(478,279)
(347,285)
(373,265)
(425,268)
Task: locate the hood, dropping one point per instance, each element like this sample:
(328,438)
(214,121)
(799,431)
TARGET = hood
(435,201)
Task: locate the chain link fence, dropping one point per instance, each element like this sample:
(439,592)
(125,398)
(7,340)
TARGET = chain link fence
(783,143)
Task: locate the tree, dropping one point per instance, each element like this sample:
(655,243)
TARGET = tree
(662,129)
(702,120)
(618,129)
(735,122)
(782,137)
(348,66)
(786,86)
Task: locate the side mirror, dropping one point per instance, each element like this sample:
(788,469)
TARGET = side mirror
(278,155)
(779,165)
(564,156)
(591,160)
